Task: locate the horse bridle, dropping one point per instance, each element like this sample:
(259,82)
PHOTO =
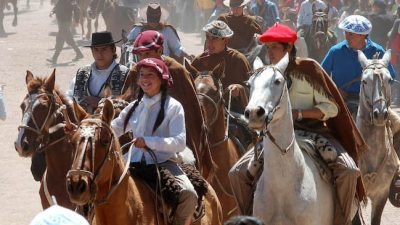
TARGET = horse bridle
(214,104)
(88,133)
(50,116)
(269,117)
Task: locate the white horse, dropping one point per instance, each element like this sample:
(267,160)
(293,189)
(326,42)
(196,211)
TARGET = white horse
(379,164)
(290,190)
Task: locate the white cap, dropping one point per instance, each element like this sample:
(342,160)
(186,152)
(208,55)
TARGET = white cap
(57,215)
(356,24)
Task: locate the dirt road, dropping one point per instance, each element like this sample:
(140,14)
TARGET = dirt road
(26,48)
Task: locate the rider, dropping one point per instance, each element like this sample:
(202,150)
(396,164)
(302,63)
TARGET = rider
(237,68)
(158,122)
(88,86)
(244,27)
(316,104)
(381,22)
(341,62)
(267,10)
(172,45)
(150,44)
(304,18)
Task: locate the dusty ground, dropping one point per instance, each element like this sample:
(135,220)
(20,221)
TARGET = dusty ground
(26,48)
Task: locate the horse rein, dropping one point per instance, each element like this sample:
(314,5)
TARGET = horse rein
(88,133)
(50,116)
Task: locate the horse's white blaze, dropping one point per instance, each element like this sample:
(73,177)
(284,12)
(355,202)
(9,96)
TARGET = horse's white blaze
(290,189)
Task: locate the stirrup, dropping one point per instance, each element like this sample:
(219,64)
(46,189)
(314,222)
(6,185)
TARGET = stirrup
(394,191)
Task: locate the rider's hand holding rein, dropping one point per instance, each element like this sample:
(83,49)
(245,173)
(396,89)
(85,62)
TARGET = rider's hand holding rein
(140,143)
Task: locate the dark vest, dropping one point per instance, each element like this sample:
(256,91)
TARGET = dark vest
(115,81)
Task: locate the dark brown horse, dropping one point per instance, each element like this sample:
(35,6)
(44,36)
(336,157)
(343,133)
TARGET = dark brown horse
(98,177)
(115,17)
(41,130)
(224,152)
(4,5)
(319,38)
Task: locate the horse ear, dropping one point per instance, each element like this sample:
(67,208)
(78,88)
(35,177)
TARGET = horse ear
(50,81)
(219,70)
(107,91)
(362,59)
(80,113)
(193,71)
(314,8)
(124,36)
(107,114)
(386,57)
(128,95)
(29,76)
(283,63)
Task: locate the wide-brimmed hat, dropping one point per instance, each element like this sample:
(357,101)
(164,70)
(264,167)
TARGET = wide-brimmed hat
(235,3)
(356,24)
(148,40)
(218,28)
(56,215)
(158,65)
(101,39)
(153,13)
(278,33)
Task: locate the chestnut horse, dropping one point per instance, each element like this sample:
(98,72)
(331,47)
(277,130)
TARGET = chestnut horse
(98,177)
(41,130)
(223,150)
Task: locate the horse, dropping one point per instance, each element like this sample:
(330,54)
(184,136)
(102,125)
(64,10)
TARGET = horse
(3,6)
(98,177)
(41,130)
(224,150)
(115,17)
(378,165)
(319,38)
(290,189)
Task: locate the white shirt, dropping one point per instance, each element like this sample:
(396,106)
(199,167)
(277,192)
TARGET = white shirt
(305,13)
(96,80)
(167,140)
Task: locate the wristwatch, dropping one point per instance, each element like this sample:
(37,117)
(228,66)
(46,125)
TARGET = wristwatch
(299,115)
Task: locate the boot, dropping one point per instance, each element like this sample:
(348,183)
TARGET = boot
(78,56)
(53,59)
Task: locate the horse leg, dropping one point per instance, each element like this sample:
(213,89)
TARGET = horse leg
(15,20)
(377,208)
(96,23)
(28,5)
(2,31)
(89,28)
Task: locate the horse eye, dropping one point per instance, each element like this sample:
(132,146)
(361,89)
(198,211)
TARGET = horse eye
(247,84)
(277,82)
(364,81)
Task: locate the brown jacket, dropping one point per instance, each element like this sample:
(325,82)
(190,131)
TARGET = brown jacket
(183,90)
(237,69)
(342,127)
(244,27)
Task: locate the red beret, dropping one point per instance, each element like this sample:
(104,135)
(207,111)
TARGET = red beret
(159,66)
(278,33)
(148,40)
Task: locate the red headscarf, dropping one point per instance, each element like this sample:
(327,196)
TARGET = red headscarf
(279,33)
(159,66)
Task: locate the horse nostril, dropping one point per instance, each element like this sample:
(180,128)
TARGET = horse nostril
(375,114)
(385,114)
(246,113)
(25,145)
(260,111)
(82,186)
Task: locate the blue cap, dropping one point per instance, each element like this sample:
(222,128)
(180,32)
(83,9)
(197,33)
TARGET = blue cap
(356,24)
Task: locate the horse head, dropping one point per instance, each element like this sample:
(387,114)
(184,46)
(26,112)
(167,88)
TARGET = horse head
(39,112)
(375,88)
(319,29)
(96,154)
(268,94)
(209,91)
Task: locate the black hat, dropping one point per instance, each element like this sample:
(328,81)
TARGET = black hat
(102,38)
(153,13)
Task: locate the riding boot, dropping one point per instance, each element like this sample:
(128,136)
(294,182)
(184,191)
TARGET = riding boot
(38,165)
(345,173)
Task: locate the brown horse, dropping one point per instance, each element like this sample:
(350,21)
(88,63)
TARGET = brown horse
(99,177)
(3,6)
(223,150)
(42,131)
(115,17)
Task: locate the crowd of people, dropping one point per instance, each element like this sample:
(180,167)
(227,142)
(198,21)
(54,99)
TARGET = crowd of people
(319,93)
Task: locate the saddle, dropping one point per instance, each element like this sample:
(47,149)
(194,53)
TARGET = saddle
(394,191)
(169,187)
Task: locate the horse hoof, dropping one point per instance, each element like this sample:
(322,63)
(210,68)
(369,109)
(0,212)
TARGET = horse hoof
(14,23)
